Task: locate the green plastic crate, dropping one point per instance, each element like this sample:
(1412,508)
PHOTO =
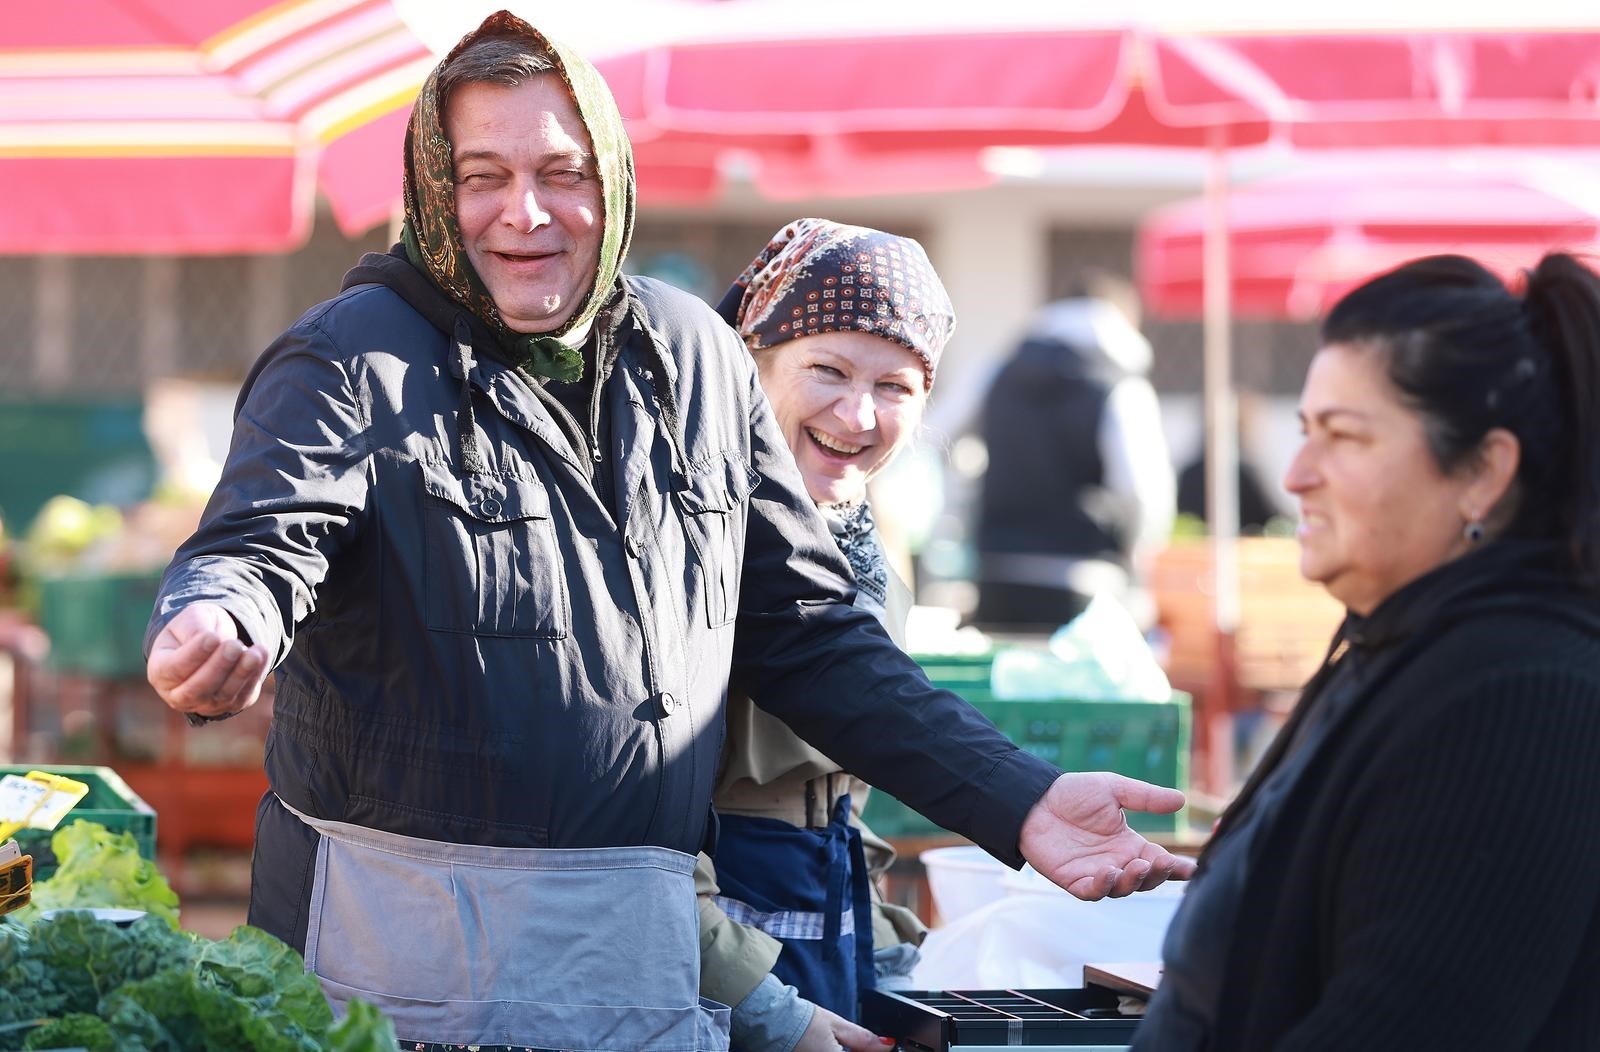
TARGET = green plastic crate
(1140,739)
(89,447)
(96,622)
(109,802)
(957,672)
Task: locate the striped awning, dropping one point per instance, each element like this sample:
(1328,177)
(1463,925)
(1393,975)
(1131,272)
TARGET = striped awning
(199,126)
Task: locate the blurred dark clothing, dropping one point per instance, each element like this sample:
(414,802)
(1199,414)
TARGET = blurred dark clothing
(1079,482)
(1255,505)
(1044,488)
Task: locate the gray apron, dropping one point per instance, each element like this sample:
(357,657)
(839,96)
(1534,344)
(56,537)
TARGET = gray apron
(567,948)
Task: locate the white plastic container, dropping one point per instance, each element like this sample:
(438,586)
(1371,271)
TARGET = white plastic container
(962,879)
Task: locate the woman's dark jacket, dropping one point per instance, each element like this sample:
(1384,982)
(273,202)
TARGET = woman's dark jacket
(1432,877)
(523,655)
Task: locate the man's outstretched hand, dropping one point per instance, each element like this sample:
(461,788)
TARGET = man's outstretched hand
(1078,837)
(199,664)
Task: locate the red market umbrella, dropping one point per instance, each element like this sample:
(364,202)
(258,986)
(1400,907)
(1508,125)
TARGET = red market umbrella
(834,99)
(1417,87)
(199,126)
(1298,242)
(829,81)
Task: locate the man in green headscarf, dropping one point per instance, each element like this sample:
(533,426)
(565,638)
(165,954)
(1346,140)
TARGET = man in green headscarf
(474,175)
(506,524)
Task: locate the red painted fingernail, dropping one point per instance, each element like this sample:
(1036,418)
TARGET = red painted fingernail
(887,1040)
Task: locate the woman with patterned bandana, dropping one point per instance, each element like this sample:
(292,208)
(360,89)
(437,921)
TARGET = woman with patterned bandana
(846,325)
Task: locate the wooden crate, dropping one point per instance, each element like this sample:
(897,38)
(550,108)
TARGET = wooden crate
(1285,621)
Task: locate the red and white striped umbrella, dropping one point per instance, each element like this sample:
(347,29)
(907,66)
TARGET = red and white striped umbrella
(199,126)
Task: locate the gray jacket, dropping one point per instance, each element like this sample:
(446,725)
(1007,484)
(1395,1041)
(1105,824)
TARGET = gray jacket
(508,656)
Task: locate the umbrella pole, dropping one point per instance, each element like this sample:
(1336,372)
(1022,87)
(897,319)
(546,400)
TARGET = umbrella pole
(1215,719)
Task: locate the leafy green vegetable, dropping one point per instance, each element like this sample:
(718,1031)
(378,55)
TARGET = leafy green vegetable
(74,1030)
(96,867)
(159,990)
(253,964)
(76,981)
(363,1029)
(200,1016)
(29,987)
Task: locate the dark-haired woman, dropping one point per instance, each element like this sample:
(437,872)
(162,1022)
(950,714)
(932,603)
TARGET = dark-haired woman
(1416,861)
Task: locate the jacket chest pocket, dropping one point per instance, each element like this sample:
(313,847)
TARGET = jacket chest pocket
(714,502)
(491,563)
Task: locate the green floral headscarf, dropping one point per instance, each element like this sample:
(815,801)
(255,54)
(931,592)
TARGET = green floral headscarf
(433,238)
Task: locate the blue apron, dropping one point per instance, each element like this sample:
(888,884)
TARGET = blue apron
(809,889)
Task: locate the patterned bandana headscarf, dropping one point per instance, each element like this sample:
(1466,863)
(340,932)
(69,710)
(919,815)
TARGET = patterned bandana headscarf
(433,238)
(819,276)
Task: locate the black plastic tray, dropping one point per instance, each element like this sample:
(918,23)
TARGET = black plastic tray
(937,1020)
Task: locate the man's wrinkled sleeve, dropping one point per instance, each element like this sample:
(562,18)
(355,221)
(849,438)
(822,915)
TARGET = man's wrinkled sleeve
(292,491)
(831,672)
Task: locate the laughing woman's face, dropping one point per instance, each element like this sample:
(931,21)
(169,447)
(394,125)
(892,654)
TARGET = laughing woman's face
(846,403)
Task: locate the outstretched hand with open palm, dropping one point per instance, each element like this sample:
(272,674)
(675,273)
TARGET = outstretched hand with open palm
(1078,836)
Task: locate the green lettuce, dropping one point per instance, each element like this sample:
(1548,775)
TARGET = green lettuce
(96,867)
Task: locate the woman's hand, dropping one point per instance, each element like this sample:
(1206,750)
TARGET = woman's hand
(829,1033)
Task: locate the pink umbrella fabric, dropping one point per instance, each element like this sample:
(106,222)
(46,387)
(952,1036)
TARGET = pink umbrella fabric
(1298,242)
(888,76)
(199,126)
(859,101)
(210,125)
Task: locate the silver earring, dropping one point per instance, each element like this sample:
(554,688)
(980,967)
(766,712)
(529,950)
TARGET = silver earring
(1473,531)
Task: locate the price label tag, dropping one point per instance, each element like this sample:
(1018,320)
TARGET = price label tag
(38,800)
(20,797)
(63,797)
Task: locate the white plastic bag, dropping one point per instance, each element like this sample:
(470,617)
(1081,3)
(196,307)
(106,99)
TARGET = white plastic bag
(1099,655)
(1040,937)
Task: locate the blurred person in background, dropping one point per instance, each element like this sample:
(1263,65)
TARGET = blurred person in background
(1415,862)
(506,523)
(1256,504)
(846,325)
(1079,490)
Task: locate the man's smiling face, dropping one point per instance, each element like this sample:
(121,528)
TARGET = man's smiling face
(528,197)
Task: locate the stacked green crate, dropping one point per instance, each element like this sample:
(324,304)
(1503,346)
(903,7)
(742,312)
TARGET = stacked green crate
(96,621)
(109,801)
(89,447)
(1141,739)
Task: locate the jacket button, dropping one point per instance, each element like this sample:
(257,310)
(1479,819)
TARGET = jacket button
(490,507)
(631,546)
(668,703)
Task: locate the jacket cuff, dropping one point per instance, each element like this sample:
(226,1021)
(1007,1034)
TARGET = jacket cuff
(257,623)
(1003,801)
(772,1019)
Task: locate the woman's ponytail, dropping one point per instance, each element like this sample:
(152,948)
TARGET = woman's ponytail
(1561,302)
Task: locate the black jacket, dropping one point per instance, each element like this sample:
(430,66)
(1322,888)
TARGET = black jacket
(1044,491)
(508,657)
(1431,879)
